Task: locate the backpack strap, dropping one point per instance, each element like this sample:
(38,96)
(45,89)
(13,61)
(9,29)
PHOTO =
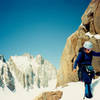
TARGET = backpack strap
(83,53)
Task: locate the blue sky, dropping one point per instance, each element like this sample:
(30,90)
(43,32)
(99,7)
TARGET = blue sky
(38,26)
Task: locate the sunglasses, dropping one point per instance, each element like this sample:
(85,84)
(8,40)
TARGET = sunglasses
(88,49)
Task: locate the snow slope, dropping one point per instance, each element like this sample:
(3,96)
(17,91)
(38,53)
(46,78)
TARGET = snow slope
(74,91)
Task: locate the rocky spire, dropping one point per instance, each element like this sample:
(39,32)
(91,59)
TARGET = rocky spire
(88,30)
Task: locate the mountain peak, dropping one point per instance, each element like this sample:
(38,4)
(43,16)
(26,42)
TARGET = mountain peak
(39,59)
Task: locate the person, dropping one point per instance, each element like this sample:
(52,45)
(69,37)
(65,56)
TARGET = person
(85,70)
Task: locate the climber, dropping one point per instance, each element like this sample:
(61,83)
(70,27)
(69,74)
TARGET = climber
(85,70)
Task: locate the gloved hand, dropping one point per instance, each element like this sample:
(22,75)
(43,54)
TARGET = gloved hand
(74,70)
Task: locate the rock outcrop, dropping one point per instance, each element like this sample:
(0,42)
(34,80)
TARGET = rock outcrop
(90,24)
(54,95)
(33,72)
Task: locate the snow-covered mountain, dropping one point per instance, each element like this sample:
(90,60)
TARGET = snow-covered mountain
(6,77)
(33,72)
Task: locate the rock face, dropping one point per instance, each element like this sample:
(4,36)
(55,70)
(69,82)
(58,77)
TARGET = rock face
(33,72)
(97,18)
(46,73)
(50,96)
(6,77)
(90,24)
(22,69)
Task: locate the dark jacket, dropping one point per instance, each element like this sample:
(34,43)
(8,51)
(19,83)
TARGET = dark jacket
(84,58)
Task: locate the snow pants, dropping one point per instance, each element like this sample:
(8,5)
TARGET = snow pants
(87,79)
